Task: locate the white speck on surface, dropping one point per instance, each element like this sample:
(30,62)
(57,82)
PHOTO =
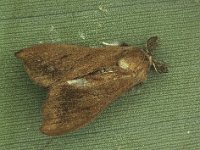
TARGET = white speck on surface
(103,8)
(123,64)
(82,36)
(111,44)
(54,34)
(40,42)
(52,28)
(188,132)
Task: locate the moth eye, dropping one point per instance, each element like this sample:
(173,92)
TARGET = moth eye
(123,64)
(78,82)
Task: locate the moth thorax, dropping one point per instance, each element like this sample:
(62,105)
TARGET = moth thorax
(134,61)
(129,66)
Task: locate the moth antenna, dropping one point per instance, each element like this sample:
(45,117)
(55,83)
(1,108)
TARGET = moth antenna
(150,46)
(152,42)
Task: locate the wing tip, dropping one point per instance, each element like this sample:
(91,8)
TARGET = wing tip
(50,129)
(18,54)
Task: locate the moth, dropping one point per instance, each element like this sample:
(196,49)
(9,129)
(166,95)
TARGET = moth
(82,81)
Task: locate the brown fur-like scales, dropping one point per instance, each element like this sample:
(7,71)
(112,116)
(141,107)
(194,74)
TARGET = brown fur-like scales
(82,81)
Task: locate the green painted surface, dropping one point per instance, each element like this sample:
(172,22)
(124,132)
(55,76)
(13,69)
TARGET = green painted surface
(164,113)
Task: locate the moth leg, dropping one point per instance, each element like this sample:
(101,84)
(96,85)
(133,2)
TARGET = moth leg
(160,67)
(122,44)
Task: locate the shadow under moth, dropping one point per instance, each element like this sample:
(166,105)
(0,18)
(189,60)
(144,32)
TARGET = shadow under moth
(82,81)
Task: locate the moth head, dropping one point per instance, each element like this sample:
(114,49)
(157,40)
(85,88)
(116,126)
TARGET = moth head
(136,62)
(140,60)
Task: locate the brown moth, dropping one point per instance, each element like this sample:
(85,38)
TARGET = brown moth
(82,81)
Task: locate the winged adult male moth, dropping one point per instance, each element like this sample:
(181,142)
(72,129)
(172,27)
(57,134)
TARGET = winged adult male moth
(82,81)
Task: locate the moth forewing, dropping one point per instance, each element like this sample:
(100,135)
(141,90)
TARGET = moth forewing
(48,63)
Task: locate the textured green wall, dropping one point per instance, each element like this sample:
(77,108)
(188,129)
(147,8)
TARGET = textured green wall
(164,113)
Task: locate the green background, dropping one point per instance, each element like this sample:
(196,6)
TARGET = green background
(163,113)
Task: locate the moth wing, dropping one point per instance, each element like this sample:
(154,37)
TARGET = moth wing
(73,104)
(48,63)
